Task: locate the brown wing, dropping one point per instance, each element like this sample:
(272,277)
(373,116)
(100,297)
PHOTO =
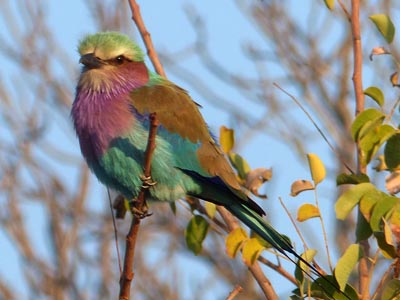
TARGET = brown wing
(178,113)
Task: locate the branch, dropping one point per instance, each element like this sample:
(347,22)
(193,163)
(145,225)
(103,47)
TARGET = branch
(237,290)
(255,269)
(358,90)
(317,127)
(127,273)
(146,37)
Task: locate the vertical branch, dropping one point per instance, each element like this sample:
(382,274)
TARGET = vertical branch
(358,90)
(357,54)
(137,18)
(127,272)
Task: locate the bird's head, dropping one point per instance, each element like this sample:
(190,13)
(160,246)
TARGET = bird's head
(107,56)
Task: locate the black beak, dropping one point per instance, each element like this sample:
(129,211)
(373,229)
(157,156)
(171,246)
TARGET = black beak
(91,61)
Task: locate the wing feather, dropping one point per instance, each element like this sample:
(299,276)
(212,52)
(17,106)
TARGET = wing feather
(178,113)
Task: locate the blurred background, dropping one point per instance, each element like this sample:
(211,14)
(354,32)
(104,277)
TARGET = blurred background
(56,233)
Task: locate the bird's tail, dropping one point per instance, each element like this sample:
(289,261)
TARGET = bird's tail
(256,223)
(281,243)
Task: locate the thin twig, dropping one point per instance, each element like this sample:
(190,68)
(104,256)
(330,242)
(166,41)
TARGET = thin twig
(316,126)
(278,268)
(137,18)
(293,223)
(236,291)
(321,218)
(300,235)
(346,12)
(393,109)
(115,231)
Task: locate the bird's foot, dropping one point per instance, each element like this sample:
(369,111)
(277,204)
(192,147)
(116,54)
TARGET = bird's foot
(147,182)
(139,212)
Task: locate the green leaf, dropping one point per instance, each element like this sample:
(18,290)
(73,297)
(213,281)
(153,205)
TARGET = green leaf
(384,205)
(384,25)
(351,178)
(308,256)
(388,251)
(387,233)
(350,198)
(368,202)
(391,290)
(226,139)
(375,94)
(392,152)
(330,4)
(317,168)
(395,218)
(370,117)
(240,164)
(363,230)
(195,233)
(372,141)
(346,264)
(307,211)
(322,289)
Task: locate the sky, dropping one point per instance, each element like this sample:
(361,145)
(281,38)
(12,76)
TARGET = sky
(171,31)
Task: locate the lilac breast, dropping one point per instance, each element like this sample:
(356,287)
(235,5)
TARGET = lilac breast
(98,119)
(102,112)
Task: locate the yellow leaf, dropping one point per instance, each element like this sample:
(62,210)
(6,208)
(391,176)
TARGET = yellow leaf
(300,186)
(211,208)
(252,249)
(234,241)
(226,139)
(395,224)
(307,211)
(330,4)
(316,167)
(263,242)
(388,233)
(395,217)
(394,79)
(301,267)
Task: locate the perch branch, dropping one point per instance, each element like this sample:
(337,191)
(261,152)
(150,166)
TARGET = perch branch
(127,272)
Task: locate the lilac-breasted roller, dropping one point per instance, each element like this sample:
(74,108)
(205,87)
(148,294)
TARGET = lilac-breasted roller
(115,94)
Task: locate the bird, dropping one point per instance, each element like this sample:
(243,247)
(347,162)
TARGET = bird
(115,95)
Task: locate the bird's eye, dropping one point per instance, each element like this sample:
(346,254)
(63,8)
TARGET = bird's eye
(120,60)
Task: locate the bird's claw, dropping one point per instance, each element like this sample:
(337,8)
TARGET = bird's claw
(147,182)
(141,212)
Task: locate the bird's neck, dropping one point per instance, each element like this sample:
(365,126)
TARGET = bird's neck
(113,81)
(101,110)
